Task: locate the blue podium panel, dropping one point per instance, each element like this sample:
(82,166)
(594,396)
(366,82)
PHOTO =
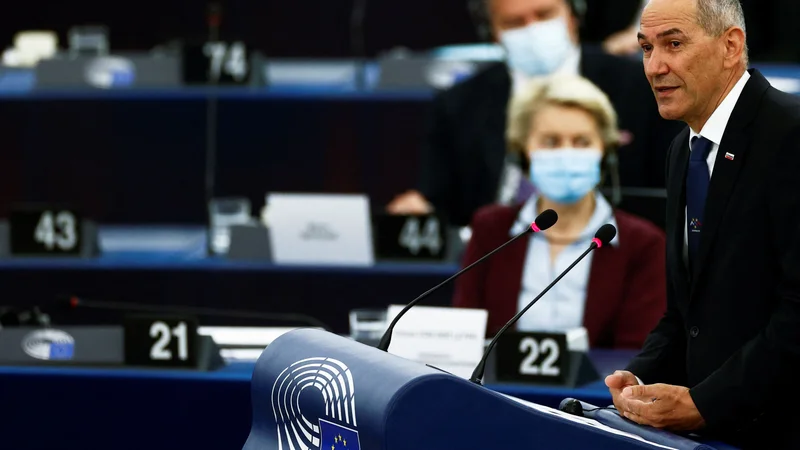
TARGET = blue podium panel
(315,390)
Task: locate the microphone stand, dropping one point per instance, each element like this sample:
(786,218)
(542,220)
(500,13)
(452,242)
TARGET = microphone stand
(77,302)
(387,336)
(477,374)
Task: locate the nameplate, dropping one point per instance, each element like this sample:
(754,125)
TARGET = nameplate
(76,346)
(106,346)
(532,357)
(50,230)
(118,71)
(410,238)
(451,339)
(319,229)
(223,63)
(161,341)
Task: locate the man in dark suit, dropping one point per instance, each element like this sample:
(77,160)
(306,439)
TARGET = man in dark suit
(724,358)
(465,151)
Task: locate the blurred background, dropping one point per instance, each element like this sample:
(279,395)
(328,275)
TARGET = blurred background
(140,145)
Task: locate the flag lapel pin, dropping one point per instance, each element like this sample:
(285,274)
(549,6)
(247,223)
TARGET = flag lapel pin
(729,156)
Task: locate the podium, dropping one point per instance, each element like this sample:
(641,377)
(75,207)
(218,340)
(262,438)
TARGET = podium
(314,390)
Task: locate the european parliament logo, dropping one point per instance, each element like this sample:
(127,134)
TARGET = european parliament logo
(323,389)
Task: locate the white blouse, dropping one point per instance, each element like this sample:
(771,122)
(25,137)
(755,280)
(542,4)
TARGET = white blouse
(563,306)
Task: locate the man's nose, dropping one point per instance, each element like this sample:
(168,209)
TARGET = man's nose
(655,65)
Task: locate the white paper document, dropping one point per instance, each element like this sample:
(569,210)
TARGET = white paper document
(584,421)
(448,338)
(326,229)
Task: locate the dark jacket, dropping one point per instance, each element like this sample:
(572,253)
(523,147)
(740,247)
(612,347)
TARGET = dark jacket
(626,293)
(732,328)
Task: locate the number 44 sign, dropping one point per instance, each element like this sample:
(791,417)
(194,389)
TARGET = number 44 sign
(417,238)
(45,231)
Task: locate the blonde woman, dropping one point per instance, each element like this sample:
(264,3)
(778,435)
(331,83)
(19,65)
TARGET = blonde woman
(566,130)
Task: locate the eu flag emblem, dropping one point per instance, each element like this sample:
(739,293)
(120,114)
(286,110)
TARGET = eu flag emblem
(337,437)
(61,350)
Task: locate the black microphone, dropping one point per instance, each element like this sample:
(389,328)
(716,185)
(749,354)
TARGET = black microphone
(544,221)
(603,236)
(75,302)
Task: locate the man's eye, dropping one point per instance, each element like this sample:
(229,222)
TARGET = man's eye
(647,47)
(675,44)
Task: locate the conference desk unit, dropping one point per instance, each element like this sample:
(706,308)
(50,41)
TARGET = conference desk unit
(95,408)
(67,408)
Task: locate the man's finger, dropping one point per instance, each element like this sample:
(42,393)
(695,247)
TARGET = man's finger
(619,379)
(638,391)
(637,407)
(614,381)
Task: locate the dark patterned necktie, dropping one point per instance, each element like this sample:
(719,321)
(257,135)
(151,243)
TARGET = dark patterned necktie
(697,180)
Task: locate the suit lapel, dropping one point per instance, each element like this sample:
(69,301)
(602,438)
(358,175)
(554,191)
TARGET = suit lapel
(676,204)
(735,144)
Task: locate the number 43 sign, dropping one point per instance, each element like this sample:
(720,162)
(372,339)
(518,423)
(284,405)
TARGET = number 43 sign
(45,231)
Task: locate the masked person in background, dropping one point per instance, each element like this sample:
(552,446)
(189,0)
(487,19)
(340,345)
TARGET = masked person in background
(464,154)
(565,127)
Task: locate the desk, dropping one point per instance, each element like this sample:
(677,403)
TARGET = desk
(85,409)
(168,266)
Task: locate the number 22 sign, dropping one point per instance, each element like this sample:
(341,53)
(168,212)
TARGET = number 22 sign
(532,357)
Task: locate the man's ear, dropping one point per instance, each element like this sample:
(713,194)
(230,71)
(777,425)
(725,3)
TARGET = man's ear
(735,41)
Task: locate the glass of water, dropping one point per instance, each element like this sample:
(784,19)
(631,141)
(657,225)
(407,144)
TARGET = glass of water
(367,325)
(224,213)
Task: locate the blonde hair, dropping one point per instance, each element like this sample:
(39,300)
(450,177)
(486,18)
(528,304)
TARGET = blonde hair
(568,91)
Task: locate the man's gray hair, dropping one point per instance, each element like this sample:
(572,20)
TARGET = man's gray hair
(717,16)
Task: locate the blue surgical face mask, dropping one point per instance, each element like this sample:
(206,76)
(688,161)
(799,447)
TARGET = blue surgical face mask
(539,48)
(565,175)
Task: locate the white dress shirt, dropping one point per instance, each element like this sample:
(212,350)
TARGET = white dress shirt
(563,307)
(570,66)
(713,130)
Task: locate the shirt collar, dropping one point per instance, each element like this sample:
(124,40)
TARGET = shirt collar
(603,214)
(715,126)
(570,66)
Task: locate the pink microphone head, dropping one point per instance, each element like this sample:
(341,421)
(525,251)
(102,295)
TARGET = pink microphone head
(604,235)
(544,221)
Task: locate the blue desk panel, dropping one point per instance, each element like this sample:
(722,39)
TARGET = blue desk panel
(85,409)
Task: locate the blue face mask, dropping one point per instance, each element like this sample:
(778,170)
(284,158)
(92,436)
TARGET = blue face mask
(539,48)
(565,175)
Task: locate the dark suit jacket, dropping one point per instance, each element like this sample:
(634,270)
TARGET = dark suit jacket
(731,332)
(626,291)
(464,152)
